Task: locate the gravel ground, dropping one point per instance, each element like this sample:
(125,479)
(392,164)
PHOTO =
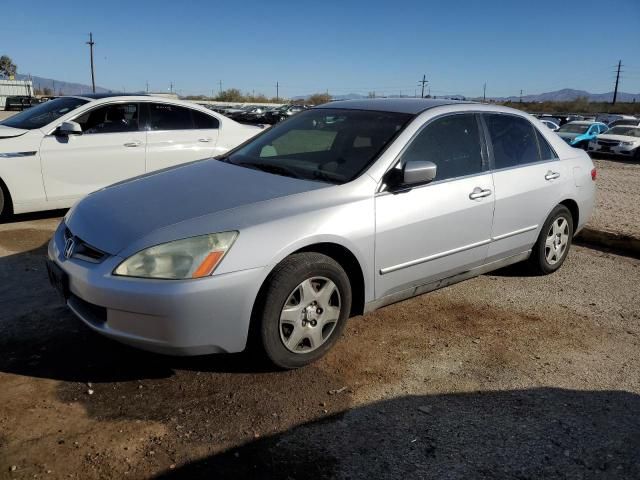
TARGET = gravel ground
(4,114)
(618,197)
(503,376)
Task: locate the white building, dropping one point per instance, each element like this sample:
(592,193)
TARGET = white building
(9,88)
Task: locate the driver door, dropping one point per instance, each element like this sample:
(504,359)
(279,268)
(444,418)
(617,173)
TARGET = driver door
(111,148)
(433,231)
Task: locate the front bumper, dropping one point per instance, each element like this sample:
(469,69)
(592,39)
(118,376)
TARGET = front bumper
(176,317)
(623,150)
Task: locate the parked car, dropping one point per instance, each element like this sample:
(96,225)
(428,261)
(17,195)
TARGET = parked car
(314,221)
(549,124)
(283,112)
(609,118)
(619,140)
(578,134)
(20,102)
(254,115)
(55,153)
(632,122)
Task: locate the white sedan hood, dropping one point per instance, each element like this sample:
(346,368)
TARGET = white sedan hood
(8,132)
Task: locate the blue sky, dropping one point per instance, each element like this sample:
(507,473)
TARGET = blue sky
(343,46)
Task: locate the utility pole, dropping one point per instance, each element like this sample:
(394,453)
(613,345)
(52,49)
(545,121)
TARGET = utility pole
(520,95)
(220,83)
(615,90)
(424,81)
(484,92)
(277,91)
(91,43)
(171,87)
(147,86)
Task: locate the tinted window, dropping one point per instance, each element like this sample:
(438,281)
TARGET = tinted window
(330,145)
(164,116)
(546,152)
(452,143)
(202,120)
(119,117)
(513,138)
(41,115)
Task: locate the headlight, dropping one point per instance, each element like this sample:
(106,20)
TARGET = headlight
(627,144)
(193,257)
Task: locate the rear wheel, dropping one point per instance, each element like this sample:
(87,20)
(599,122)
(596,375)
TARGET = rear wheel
(306,306)
(5,203)
(554,241)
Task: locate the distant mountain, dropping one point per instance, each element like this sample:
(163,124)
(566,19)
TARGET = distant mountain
(59,87)
(569,94)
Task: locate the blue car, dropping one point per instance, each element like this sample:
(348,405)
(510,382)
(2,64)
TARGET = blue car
(578,134)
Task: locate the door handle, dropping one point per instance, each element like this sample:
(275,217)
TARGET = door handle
(204,140)
(135,143)
(551,175)
(479,193)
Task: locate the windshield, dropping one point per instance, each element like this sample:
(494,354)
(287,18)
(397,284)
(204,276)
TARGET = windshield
(43,114)
(573,128)
(329,145)
(627,131)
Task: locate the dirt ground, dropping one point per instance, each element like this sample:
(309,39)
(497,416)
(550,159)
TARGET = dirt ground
(503,376)
(618,197)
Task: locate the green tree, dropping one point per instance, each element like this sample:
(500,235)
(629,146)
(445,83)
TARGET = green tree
(7,67)
(318,98)
(230,95)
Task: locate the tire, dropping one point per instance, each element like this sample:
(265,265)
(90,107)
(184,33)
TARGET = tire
(5,203)
(285,311)
(550,251)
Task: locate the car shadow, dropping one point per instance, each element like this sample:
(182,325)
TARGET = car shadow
(25,217)
(521,434)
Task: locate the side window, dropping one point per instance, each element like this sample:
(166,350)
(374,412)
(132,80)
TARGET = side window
(203,121)
(114,118)
(513,139)
(546,152)
(164,116)
(452,143)
(603,128)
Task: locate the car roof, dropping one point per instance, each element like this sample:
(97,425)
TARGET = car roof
(97,96)
(398,105)
(583,122)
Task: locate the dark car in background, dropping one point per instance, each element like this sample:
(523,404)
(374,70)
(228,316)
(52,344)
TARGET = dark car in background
(283,112)
(20,102)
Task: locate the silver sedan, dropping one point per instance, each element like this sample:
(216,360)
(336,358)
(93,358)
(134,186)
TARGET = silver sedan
(340,210)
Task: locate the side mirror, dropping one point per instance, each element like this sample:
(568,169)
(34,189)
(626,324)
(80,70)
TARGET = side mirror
(69,128)
(418,171)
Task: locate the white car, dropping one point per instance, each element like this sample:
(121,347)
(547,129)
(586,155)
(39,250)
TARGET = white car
(621,140)
(55,153)
(549,124)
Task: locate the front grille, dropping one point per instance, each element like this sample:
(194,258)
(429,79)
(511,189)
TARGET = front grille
(82,250)
(608,143)
(94,314)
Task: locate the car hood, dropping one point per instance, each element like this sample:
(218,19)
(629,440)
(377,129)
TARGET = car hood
(113,218)
(618,138)
(8,132)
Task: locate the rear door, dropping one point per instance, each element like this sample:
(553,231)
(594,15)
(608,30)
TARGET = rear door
(443,228)
(529,180)
(177,134)
(110,149)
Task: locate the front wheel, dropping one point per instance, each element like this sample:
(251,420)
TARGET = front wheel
(554,241)
(306,306)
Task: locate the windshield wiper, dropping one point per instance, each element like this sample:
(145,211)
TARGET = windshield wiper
(324,177)
(270,168)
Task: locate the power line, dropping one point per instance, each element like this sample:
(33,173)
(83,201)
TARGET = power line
(91,43)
